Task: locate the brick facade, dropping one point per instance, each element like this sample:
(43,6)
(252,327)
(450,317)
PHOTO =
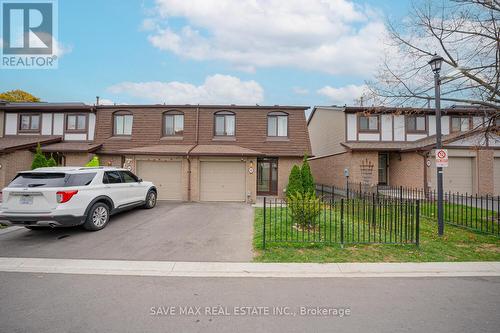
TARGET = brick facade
(77,159)
(484,172)
(406,169)
(12,163)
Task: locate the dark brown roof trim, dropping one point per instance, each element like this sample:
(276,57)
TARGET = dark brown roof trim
(30,145)
(407,110)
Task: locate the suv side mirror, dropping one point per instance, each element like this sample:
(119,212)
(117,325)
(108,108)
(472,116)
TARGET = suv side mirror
(139,180)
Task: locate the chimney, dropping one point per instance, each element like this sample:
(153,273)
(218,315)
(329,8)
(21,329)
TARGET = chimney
(97,100)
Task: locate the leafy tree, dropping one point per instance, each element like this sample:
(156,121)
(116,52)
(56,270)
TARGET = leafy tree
(39,160)
(51,162)
(305,208)
(94,162)
(307,177)
(18,96)
(294,182)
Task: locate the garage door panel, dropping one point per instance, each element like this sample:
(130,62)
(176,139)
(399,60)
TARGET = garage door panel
(222,181)
(167,177)
(457,177)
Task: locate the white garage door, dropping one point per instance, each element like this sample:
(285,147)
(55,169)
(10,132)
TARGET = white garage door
(222,181)
(496,173)
(167,177)
(457,176)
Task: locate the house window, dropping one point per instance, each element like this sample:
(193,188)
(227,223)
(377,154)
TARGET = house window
(123,123)
(29,123)
(460,124)
(173,123)
(368,123)
(277,124)
(225,122)
(76,122)
(416,124)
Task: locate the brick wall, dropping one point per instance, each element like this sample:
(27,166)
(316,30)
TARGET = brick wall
(13,163)
(110,160)
(484,172)
(77,159)
(285,165)
(358,158)
(406,169)
(330,170)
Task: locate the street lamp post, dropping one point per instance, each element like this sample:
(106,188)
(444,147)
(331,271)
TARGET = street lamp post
(436,63)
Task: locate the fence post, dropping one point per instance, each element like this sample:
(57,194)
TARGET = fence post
(264,228)
(347,190)
(417,223)
(342,222)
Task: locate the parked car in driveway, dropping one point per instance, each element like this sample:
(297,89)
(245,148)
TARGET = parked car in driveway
(71,196)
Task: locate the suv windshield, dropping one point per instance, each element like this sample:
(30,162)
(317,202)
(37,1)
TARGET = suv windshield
(52,179)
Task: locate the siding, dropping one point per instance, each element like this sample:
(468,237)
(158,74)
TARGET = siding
(251,130)
(327,131)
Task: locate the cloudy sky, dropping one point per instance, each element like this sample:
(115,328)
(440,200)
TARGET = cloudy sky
(300,52)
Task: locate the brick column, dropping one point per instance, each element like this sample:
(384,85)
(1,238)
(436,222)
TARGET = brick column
(484,174)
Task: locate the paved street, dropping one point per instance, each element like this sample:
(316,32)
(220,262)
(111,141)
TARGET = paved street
(87,303)
(171,231)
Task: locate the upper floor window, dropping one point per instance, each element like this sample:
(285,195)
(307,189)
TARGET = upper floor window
(173,123)
(76,122)
(225,123)
(29,123)
(460,124)
(416,124)
(368,123)
(277,124)
(122,123)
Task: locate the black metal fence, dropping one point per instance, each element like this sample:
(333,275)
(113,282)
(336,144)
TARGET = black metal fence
(342,221)
(478,213)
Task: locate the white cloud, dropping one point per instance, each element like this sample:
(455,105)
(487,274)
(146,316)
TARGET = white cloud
(217,89)
(333,36)
(343,95)
(60,49)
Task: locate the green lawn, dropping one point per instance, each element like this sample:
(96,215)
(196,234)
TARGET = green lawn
(458,244)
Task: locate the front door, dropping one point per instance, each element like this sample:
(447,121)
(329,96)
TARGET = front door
(267,176)
(383,159)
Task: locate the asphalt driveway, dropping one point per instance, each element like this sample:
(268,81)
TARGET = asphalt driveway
(170,231)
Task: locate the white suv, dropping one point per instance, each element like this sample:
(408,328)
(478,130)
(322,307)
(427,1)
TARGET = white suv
(70,196)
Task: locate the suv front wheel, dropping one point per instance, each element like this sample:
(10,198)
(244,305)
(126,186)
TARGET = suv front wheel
(98,217)
(150,200)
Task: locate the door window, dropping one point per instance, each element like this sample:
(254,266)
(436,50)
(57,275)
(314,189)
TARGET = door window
(129,177)
(112,177)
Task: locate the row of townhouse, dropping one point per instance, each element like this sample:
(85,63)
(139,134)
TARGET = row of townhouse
(395,147)
(191,152)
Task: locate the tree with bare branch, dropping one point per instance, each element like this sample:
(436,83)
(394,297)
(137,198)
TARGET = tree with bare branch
(466,33)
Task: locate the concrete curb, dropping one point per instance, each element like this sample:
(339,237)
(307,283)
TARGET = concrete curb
(219,269)
(10,229)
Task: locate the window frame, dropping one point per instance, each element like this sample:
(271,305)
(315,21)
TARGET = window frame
(416,131)
(172,113)
(277,115)
(360,130)
(469,118)
(122,113)
(30,115)
(224,114)
(76,130)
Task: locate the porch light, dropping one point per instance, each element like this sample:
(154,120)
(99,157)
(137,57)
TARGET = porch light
(436,63)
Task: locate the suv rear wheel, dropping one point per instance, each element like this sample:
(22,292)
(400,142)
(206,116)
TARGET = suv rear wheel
(97,217)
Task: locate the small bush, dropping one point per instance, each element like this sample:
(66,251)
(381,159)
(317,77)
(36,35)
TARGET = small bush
(307,177)
(305,208)
(51,162)
(94,162)
(39,160)
(294,182)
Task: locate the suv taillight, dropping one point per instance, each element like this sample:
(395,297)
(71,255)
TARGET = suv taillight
(65,196)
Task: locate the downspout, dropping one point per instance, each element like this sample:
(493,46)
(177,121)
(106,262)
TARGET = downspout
(190,150)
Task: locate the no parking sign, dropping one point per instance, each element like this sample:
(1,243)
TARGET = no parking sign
(442,158)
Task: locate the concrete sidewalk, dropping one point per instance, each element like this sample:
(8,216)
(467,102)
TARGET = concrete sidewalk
(220,269)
